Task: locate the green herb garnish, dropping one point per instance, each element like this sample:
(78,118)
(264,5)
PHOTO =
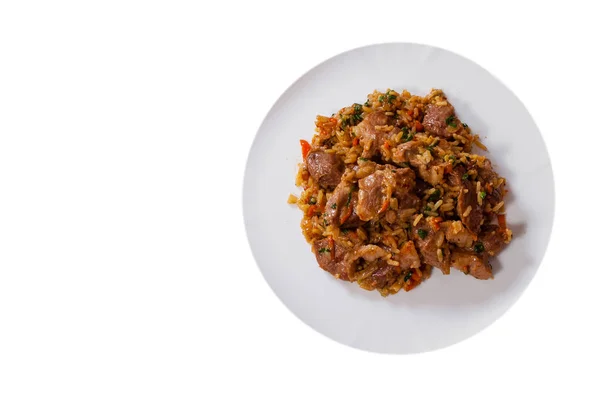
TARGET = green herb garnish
(380,99)
(422,233)
(465,176)
(408,276)
(435,196)
(321,250)
(357,107)
(334,205)
(345,231)
(450,121)
(367,103)
(391,98)
(482,195)
(478,247)
(349,198)
(465,125)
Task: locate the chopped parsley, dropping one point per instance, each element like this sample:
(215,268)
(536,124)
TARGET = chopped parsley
(349,198)
(408,276)
(391,98)
(465,125)
(367,103)
(357,107)
(478,247)
(345,231)
(422,233)
(409,137)
(357,118)
(313,200)
(363,159)
(435,196)
(482,195)
(334,205)
(321,250)
(380,99)
(450,121)
(465,176)
(404,164)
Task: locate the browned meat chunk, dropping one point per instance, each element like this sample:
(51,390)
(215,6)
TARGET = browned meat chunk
(332,260)
(495,192)
(341,206)
(407,201)
(470,212)
(457,234)
(441,121)
(493,239)
(472,264)
(405,151)
(432,173)
(372,137)
(428,241)
(408,256)
(455,176)
(376,190)
(383,276)
(325,168)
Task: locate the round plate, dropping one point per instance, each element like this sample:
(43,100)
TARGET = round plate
(444,309)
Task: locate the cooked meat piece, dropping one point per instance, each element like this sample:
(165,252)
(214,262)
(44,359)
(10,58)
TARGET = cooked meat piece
(405,151)
(370,137)
(325,168)
(495,194)
(428,241)
(493,239)
(369,253)
(457,234)
(455,176)
(407,201)
(376,190)
(469,211)
(432,173)
(341,206)
(475,265)
(441,121)
(333,262)
(381,277)
(408,256)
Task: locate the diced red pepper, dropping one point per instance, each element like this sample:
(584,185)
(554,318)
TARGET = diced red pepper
(311,210)
(305,147)
(355,141)
(419,127)
(502,221)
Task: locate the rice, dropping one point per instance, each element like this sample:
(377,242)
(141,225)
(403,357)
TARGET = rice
(329,219)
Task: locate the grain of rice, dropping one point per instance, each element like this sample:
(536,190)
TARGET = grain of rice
(467,212)
(498,206)
(437,205)
(440,254)
(417,219)
(292,199)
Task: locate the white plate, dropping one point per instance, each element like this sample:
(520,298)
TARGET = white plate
(444,309)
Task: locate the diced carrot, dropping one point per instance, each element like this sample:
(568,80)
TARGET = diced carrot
(385,206)
(502,221)
(305,147)
(436,223)
(355,142)
(386,144)
(331,247)
(410,112)
(311,210)
(346,215)
(419,126)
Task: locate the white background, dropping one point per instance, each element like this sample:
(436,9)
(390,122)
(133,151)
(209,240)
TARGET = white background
(124,131)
